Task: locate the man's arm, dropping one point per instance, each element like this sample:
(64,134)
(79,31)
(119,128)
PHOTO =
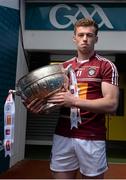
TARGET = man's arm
(107,104)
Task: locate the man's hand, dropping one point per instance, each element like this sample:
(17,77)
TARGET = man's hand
(35,106)
(62,99)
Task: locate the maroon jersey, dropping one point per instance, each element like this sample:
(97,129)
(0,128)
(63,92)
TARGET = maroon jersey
(90,75)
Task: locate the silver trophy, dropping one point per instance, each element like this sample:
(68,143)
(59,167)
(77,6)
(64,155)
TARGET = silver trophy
(42,83)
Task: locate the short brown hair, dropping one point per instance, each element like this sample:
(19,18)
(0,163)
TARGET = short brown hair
(86,22)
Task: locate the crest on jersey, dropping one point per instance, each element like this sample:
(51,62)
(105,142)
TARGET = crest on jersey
(91,71)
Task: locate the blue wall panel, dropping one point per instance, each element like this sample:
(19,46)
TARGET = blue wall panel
(9,30)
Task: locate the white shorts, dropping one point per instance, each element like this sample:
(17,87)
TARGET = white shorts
(70,154)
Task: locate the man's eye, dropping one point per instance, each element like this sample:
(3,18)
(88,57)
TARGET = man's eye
(90,34)
(80,35)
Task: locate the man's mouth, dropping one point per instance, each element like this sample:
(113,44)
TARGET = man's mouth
(84,45)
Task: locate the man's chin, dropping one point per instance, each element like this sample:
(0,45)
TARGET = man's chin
(84,49)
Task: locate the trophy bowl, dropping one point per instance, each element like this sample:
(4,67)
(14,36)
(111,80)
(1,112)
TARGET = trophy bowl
(42,83)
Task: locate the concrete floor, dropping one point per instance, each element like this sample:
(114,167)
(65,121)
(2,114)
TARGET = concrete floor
(39,169)
(36,164)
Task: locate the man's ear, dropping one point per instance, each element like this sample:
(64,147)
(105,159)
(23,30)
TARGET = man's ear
(74,39)
(96,39)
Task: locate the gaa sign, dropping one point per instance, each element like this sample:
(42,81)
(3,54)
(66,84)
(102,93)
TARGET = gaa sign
(81,10)
(45,16)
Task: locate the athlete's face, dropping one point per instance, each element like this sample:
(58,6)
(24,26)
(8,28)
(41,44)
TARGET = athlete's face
(85,38)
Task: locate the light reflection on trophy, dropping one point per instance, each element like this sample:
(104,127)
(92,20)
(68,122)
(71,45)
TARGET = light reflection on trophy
(42,83)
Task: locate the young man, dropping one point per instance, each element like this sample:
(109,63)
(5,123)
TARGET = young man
(81,144)
(79,140)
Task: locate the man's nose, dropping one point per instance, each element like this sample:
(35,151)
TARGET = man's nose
(85,37)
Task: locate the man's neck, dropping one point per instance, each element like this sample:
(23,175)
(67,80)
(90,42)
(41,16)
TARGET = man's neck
(84,56)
